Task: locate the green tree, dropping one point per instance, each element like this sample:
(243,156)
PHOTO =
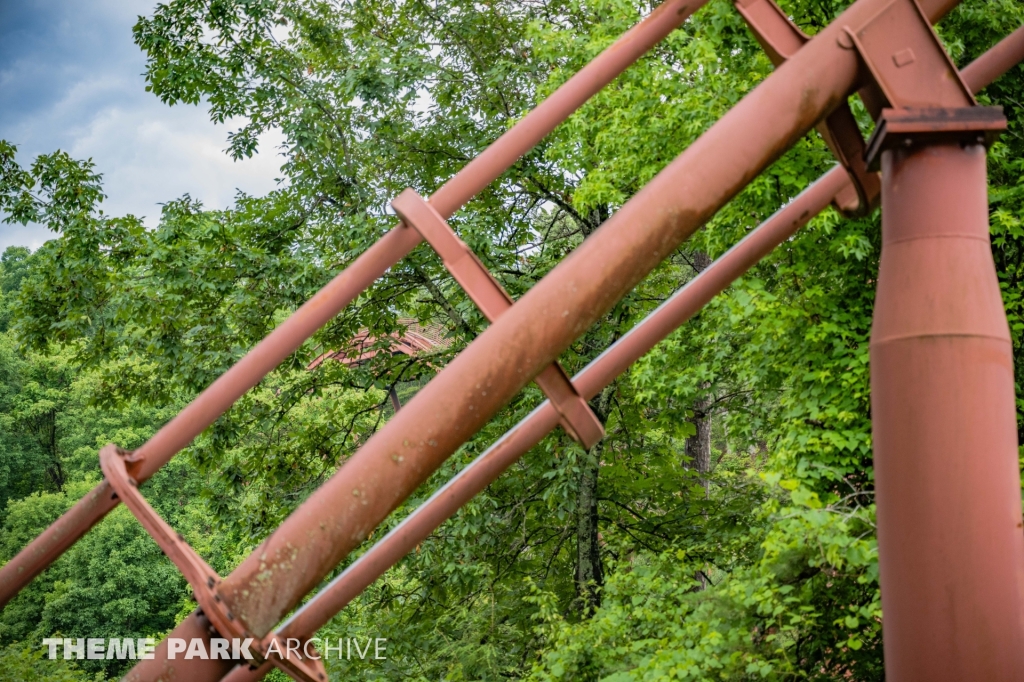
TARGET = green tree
(724,528)
(13,267)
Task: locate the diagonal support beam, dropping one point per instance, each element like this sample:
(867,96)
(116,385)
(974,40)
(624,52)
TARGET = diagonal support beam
(344,288)
(577,418)
(534,332)
(120,468)
(416,527)
(486,468)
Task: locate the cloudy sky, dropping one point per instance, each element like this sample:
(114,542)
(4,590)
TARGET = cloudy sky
(71,79)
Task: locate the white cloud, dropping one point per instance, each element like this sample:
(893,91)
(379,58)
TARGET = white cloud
(70,78)
(150,154)
(31,236)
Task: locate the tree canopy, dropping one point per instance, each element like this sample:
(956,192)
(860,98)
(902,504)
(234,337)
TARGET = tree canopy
(724,528)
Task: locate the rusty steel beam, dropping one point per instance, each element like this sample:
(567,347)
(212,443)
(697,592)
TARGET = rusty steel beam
(781,38)
(343,289)
(531,335)
(592,379)
(476,476)
(472,480)
(578,420)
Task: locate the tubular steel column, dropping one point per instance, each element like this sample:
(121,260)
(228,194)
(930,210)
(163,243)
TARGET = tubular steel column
(950,536)
(950,533)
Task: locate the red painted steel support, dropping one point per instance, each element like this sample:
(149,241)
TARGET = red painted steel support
(1003,56)
(682,305)
(531,335)
(341,291)
(950,529)
(816,102)
(678,309)
(208,406)
(781,39)
(505,451)
(947,477)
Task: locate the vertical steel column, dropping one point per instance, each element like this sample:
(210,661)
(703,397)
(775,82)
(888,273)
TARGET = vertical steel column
(945,445)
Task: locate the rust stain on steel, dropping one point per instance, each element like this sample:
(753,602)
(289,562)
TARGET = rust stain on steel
(341,291)
(951,552)
(781,39)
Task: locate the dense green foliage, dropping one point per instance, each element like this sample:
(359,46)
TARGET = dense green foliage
(632,561)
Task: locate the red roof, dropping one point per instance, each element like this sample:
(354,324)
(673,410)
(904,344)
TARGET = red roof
(414,340)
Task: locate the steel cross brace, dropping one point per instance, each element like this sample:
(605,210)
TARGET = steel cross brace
(913,90)
(816,94)
(995,60)
(531,335)
(120,468)
(781,39)
(577,418)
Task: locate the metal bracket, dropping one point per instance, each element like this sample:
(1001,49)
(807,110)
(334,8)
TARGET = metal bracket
(906,60)
(578,419)
(781,39)
(925,100)
(120,468)
(909,127)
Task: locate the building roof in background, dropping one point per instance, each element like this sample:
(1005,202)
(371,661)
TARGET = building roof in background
(414,340)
